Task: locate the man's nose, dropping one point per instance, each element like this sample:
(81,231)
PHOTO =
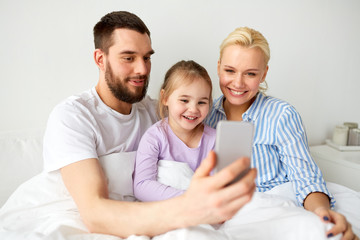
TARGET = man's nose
(141,67)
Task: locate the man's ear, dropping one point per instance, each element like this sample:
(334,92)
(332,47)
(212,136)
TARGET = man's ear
(99,57)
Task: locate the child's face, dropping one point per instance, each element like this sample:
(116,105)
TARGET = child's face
(188,105)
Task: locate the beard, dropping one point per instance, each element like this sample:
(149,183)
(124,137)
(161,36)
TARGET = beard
(120,91)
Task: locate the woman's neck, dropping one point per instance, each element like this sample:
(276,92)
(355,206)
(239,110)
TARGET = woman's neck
(235,112)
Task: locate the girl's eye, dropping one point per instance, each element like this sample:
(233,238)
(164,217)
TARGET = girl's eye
(201,103)
(184,100)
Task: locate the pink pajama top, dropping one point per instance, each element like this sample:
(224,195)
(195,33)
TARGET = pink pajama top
(160,143)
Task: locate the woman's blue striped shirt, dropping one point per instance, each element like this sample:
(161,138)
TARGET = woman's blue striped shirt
(280,150)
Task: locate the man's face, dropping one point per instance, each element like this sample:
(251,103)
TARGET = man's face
(128,65)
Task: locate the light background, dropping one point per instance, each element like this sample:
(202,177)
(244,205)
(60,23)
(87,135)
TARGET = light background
(46,52)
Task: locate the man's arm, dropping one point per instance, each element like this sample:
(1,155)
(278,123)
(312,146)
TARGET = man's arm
(206,201)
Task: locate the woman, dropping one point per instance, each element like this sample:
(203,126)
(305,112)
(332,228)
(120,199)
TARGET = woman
(280,150)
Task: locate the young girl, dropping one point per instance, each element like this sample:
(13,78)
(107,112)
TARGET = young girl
(180,135)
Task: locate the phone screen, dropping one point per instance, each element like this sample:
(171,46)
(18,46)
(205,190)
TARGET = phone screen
(234,139)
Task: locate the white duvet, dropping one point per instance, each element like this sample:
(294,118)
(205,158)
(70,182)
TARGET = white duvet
(42,208)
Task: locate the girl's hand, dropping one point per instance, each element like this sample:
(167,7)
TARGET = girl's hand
(341,224)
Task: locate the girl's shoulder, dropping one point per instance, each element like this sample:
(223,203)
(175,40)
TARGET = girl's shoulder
(156,128)
(209,130)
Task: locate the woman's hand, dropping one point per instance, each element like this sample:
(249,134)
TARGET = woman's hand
(341,224)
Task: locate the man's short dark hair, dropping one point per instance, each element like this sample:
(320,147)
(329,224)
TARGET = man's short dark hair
(121,19)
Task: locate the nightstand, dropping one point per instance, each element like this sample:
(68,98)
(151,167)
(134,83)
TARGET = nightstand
(342,167)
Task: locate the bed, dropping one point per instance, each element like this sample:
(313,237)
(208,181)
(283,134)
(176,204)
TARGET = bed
(36,205)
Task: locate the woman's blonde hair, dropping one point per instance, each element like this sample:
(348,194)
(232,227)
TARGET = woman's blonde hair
(248,38)
(181,73)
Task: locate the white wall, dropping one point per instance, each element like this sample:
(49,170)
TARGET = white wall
(46,51)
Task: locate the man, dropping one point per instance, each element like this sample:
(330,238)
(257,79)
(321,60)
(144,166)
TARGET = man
(112,118)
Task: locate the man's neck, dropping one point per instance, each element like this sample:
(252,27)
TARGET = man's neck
(110,100)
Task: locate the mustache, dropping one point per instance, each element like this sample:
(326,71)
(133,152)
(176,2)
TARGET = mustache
(140,77)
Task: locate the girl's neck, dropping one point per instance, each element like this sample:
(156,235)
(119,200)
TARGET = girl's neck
(190,138)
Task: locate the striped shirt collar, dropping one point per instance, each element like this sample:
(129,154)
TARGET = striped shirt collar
(250,115)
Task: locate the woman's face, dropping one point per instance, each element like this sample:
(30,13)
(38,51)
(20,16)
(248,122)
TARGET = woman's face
(241,70)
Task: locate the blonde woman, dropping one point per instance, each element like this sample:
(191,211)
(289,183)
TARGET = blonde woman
(280,149)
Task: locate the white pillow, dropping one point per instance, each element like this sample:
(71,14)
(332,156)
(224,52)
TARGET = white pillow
(118,168)
(20,159)
(175,174)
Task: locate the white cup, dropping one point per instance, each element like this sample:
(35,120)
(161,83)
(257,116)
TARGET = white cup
(340,135)
(354,137)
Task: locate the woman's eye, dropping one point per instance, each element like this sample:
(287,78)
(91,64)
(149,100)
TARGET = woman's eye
(229,70)
(251,74)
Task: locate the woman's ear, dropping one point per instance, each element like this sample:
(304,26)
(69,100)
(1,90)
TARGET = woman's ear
(99,57)
(265,73)
(218,68)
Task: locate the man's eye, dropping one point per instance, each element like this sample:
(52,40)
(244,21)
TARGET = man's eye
(128,59)
(147,59)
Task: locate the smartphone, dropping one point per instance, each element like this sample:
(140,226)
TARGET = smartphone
(234,139)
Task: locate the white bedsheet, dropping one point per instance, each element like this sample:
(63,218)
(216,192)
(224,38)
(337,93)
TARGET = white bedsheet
(42,208)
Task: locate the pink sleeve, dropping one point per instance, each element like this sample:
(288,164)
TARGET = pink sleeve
(146,186)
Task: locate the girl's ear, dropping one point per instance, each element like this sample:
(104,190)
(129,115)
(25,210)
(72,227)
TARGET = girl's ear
(162,97)
(99,58)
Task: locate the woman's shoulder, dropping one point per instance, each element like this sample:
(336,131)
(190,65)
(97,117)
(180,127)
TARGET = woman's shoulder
(270,101)
(271,108)
(274,109)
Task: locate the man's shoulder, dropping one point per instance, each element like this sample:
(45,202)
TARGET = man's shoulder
(148,103)
(82,98)
(148,107)
(74,106)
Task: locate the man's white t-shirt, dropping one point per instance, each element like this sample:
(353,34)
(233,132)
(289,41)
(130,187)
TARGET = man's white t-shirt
(83,127)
